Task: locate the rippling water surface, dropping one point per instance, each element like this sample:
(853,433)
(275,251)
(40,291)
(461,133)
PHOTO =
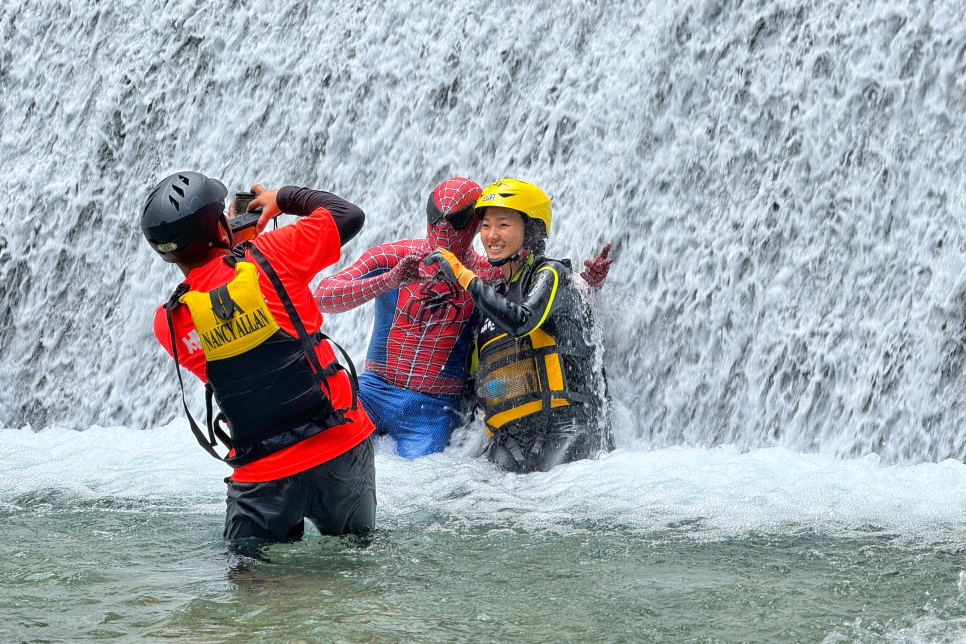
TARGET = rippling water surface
(116,534)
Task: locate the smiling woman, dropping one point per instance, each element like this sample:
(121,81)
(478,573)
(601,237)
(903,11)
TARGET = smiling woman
(501,231)
(539,378)
(784,185)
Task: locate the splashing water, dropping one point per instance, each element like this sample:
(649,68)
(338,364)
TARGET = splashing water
(781,181)
(783,184)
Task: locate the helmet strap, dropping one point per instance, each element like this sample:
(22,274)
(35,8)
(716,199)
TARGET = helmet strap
(517,256)
(231,242)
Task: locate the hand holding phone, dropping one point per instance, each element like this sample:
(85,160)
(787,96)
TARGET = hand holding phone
(267,202)
(243,224)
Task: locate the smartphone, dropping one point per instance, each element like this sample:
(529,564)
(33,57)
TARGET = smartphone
(243,223)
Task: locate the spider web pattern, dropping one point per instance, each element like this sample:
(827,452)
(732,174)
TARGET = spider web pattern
(367,278)
(428,342)
(430,335)
(456,194)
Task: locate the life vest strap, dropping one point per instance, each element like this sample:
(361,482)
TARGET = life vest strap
(307,346)
(214,425)
(517,357)
(349,368)
(208,443)
(544,389)
(516,451)
(224,307)
(523,399)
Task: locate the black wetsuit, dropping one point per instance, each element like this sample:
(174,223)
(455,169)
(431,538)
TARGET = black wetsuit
(540,296)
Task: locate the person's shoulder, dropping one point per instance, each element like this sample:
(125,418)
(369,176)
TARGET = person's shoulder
(399,248)
(160,325)
(561,267)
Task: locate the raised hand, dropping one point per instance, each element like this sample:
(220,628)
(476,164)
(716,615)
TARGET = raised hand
(597,268)
(451,267)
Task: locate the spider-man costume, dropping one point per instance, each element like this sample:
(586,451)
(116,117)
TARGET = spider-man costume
(418,360)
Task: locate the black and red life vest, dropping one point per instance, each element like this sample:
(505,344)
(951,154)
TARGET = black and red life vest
(271,387)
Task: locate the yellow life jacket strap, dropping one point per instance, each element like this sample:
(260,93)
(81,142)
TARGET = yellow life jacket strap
(522,355)
(545,396)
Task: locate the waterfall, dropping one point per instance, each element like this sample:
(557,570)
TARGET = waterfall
(782,181)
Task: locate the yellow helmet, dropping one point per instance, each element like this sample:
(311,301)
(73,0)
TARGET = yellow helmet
(518,195)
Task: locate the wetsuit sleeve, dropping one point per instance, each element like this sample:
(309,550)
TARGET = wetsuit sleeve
(519,319)
(348,217)
(366,279)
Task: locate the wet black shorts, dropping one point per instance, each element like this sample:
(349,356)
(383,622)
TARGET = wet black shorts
(338,497)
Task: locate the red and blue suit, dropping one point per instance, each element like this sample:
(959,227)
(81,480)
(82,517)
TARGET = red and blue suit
(418,359)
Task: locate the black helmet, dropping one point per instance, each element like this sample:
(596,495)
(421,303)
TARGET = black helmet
(182,215)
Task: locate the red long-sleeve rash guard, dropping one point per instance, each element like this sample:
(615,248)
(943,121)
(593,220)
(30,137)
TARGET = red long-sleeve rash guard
(297,252)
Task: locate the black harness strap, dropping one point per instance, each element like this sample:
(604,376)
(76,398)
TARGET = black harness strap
(214,425)
(526,353)
(522,399)
(223,307)
(515,450)
(351,368)
(208,443)
(322,373)
(546,397)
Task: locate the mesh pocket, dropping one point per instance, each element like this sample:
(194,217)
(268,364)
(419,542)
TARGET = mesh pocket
(509,382)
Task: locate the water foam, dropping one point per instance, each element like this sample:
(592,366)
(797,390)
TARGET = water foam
(691,492)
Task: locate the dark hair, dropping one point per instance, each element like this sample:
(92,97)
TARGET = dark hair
(534,235)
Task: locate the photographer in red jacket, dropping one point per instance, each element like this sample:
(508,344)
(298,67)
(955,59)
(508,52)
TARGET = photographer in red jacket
(244,321)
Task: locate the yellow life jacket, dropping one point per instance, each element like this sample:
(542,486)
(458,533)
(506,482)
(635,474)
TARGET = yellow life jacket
(233,318)
(520,376)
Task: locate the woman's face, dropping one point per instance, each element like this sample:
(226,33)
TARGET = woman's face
(501,232)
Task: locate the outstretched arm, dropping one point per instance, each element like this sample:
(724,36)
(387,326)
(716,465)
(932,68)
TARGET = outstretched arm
(293,200)
(379,270)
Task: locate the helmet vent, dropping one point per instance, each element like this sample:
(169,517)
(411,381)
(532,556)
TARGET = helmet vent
(179,190)
(186,180)
(174,202)
(506,195)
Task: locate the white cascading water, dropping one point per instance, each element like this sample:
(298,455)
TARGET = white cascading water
(782,181)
